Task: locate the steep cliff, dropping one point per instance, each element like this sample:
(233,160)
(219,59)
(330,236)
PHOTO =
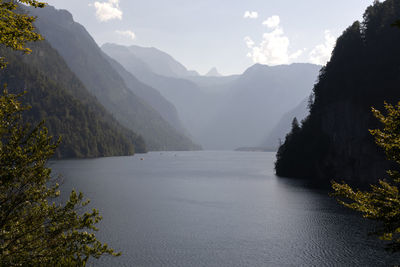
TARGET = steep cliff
(86,60)
(364,71)
(59,98)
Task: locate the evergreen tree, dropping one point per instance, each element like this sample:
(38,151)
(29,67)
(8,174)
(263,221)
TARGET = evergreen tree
(17,29)
(363,71)
(35,230)
(382,203)
(295,125)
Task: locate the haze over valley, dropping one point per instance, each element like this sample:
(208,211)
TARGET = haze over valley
(207,133)
(240,109)
(171,107)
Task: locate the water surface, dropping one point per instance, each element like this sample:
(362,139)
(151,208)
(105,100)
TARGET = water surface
(216,209)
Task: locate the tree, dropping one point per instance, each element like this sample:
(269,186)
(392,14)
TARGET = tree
(35,228)
(17,29)
(382,203)
(396,23)
(295,125)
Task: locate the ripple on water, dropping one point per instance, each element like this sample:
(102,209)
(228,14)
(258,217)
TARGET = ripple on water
(217,209)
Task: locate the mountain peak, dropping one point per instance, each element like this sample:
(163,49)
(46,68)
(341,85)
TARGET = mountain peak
(157,61)
(213,72)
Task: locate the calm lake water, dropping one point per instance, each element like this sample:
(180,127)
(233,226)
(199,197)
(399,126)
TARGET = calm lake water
(216,209)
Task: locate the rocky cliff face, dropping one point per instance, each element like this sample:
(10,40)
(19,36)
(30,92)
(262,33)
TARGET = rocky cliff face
(364,72)
(351,154)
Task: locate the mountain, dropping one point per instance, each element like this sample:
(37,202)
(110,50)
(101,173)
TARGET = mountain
(334,141)
(150,95)
(186,96)
(213,84)
(57,96)
(157,61)
(213,73)
(227,112)
(283,127)
(254,102)
(89,63)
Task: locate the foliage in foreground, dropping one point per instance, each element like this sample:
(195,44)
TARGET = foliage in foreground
(35,230)
(16,29)
(382,203)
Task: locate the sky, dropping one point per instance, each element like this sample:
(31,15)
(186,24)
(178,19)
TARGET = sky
(230,35)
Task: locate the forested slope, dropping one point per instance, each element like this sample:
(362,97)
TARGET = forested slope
(69,110)
(364,71)
(88,62)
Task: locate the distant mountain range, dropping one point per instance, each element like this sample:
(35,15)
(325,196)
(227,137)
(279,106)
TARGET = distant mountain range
(227,112)
(254,102)
(116,93)
(186,95)
(114,100)
(150,96)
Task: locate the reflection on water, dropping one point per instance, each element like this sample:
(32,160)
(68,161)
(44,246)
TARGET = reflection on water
(216,209)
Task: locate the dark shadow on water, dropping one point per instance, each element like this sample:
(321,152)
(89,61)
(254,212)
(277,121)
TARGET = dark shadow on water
(218,209)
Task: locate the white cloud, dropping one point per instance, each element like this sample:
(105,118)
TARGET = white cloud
(274,47)
(249,42)
(106,11)
(297,54)
(127,33)
(321,54)
(250,15)
(272,22)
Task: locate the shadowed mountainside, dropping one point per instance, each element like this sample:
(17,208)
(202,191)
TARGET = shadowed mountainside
(334,141)
(227,112)
(88,62)
(69,110)
(151,96)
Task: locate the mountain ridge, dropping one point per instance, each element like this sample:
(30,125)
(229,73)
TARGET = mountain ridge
(59,98)
(239,112)
(88,62)
(156,60)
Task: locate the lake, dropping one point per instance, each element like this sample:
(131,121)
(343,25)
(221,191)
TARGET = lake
(216,208)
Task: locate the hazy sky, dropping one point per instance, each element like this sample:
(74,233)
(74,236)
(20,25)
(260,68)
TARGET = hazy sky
(228,34)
